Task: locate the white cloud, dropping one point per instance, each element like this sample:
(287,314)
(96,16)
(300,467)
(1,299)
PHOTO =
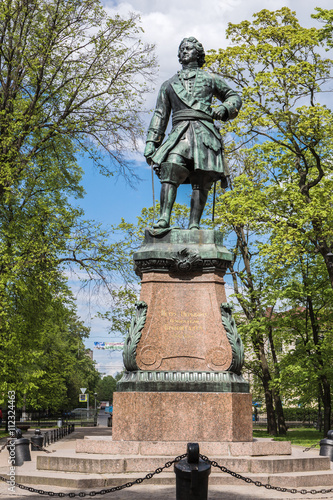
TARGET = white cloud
(167,23)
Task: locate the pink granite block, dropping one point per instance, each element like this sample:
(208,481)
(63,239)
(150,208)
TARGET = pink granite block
(144,464)
(182,416)
(107,447)
(261,448)
(241,448)
(183,329)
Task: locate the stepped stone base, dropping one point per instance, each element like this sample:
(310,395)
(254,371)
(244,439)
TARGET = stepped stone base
(103,445)
(182,416)
(131,464)
(317,479)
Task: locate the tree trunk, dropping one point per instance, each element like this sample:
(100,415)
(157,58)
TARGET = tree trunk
(271,420)
(325,386)
(266,380)
(326,399)
(280,415)
(320,416)
(277,399)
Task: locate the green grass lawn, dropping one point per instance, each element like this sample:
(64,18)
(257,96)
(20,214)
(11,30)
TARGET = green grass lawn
(301,436)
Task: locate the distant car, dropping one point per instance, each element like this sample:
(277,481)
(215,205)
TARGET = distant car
(80,412)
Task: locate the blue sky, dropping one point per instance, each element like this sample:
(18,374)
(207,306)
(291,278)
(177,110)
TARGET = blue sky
(164,24)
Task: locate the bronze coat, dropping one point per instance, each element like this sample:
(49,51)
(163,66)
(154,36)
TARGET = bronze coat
(207,145)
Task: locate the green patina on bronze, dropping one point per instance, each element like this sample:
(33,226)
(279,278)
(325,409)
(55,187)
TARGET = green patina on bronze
(133,336)
(193,152)
(234,338)
(182,250)
(182,381)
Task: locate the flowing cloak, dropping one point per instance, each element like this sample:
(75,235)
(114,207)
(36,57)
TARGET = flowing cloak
(192,111)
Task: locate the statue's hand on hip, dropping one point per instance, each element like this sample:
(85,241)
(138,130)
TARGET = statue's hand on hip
(220,113)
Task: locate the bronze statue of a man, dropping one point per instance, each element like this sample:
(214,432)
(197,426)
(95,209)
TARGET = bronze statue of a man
(193,152)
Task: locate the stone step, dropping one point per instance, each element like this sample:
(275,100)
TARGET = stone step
(105,445)
(87,481)
(100,464)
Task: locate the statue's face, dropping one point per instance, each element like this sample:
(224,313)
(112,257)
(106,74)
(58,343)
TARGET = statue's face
(188,53)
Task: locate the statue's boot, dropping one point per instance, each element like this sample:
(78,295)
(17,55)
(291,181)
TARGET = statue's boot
(171,175)
(198,202)
(168,196)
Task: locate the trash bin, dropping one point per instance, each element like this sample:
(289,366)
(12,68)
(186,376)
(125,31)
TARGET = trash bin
(19,451)
(59,423)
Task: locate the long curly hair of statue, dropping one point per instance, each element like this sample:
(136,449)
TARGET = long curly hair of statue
(198,47)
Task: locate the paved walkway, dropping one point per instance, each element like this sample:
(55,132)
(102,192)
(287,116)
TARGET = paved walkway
(143,491)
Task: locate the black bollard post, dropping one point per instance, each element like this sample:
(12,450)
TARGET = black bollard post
(326,446)
(18,451)
(192,476)
(36,442)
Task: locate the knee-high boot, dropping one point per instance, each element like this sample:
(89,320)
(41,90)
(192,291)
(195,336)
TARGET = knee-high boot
(168,196)
(198,202)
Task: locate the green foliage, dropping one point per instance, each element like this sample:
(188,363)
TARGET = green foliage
(285,180)
(280,206)
(326,33)
(72,81)
(105,388)
(300,414)
(69,74)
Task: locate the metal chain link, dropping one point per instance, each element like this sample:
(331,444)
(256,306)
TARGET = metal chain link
(312,446)
(83,494)
(40,447)
(259,483)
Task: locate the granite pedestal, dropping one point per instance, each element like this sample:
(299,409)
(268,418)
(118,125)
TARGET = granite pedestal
(183,355)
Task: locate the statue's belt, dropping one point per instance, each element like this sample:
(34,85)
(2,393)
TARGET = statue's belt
(189,114)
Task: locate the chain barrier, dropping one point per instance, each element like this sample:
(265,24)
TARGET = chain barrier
(40,447)
(167,465)
(312,446)
(83,494)
(259,483)
(30,442)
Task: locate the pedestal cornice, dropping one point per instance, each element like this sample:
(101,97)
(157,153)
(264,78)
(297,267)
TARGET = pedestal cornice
(182,250)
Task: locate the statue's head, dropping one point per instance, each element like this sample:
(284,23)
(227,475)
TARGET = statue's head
(198,47)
